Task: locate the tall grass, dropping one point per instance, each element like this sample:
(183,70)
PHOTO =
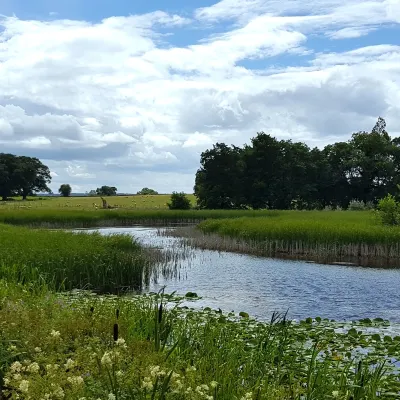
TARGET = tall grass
(92,218)
(66,260)
(336,234)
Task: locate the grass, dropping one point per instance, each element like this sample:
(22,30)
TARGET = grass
(92,218)
(334,233)
(134,202)
(146,347)
(66,260)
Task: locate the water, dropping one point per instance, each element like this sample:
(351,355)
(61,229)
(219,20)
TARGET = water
(260,286)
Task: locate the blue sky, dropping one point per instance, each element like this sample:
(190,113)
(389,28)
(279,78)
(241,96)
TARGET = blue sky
(130,93)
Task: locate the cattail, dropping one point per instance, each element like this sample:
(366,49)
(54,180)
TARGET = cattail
(117,313)
(92,309)
(160,313)
(115,332)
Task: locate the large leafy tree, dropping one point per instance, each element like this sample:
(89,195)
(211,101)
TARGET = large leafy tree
(106,191)
(218,180)
(21,175)
(65,190)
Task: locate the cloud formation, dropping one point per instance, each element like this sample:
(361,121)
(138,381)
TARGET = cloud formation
(122,102)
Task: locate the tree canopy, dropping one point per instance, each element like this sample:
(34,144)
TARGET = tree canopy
(65,190)
(147,191)
(281,174)
(106,191)
(22,176)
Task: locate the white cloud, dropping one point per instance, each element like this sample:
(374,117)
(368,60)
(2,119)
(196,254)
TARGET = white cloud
(116,102)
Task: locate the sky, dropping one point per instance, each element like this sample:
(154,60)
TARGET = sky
(129,93)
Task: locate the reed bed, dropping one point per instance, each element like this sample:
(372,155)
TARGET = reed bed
(67,260)
(50,218)
(148,347)
(312,235)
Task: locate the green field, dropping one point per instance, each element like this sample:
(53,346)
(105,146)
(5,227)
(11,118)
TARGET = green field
(134,202)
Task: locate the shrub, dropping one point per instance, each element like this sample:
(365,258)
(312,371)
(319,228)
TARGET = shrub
(356,205)
(389,210)
(179,201)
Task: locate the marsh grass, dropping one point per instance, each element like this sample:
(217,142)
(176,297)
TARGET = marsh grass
(67,260)
(66,346)
(105,218)
(311,235)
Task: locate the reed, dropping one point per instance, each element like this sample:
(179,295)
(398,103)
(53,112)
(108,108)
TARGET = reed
(67,260)
(311,235)
(94,218)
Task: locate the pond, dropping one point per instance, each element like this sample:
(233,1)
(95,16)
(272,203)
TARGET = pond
(260,286)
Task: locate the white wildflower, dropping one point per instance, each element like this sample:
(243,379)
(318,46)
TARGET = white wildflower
(33,368)
(75,380)
(69,364)
(38,349)
(58,392)
(335,393)
(247,396)
(24,386)
(147,383)
(213,384)
(16,366)
(17,377)
(106,359)
(119,374)
(55,334)
(12,348)
(121,342)
(6,381)
(111,396)
(191,369)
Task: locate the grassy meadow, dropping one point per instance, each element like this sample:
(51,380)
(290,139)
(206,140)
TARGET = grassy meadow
(133,202)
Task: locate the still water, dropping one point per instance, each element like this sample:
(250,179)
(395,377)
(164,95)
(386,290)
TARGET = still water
(260,286)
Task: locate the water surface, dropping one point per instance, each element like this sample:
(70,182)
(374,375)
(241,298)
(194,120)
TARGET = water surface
(260,286)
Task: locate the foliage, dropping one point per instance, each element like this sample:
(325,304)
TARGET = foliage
(106,191)
(281,174)
(70,260)
(179,201)
(147,191)
(147,347)
(65,190)
(21,175)
(389,210)
(356,205)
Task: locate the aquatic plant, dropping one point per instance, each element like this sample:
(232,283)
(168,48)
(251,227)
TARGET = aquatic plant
(64,346)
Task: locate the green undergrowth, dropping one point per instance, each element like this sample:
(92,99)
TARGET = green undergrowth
(335,227)
(66,260)
(92,218)
(65,346)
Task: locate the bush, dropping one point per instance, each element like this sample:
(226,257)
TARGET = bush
(389,210)
(179,201)
(356,205)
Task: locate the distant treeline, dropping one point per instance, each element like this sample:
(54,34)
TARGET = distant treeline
(281,174)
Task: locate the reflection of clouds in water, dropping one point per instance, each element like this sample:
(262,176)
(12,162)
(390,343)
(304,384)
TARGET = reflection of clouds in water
(260,286)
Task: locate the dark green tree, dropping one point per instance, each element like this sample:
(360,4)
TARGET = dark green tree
(219,178)
(179,201)
(147,191)
(106,191)
(65,190)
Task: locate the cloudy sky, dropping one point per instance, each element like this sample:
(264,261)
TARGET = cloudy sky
(129,93)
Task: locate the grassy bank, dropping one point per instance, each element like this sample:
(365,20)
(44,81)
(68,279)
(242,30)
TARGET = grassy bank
(84,347)
(91,218)
(329,234)
(134,202)
(66,260)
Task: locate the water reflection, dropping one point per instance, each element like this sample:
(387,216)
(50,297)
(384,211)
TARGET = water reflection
(260,285)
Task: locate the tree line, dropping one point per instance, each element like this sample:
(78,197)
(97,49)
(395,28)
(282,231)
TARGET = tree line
(281,174)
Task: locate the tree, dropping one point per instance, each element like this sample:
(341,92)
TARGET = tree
(106,191)
(218,180)
(33,177)
(179,201)
(21,175)
(147,191)
(65,190)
